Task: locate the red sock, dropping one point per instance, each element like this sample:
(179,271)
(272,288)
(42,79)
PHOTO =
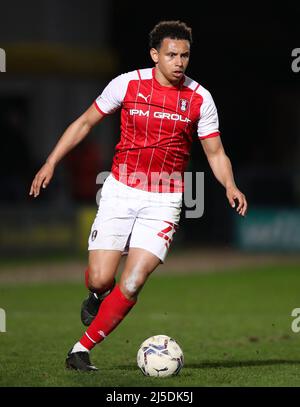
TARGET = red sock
(111,312)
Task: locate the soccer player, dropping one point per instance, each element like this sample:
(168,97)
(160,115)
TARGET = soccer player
(140,204)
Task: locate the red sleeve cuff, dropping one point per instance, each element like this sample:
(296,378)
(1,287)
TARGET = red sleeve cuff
(98,108)
(215,134)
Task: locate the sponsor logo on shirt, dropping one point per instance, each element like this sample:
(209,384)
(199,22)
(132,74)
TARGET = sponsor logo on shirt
(160,115)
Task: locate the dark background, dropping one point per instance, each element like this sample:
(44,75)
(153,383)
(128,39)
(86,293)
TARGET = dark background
(60,55)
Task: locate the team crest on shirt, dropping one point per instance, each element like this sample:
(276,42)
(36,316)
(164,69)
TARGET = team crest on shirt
(183,104)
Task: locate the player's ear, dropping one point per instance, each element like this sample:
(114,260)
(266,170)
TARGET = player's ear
(154,55)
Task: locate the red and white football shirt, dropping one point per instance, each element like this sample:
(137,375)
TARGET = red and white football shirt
(157,124)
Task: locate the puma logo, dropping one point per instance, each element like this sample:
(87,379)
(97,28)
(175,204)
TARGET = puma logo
(102,334)
(144,97)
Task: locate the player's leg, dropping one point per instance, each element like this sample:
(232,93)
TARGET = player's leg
(103,265)
(139,265)
(109,234)
(150,240)
(149,244)
(108,238)
(100,280)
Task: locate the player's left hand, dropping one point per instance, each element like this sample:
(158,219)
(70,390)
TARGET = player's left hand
(233,194)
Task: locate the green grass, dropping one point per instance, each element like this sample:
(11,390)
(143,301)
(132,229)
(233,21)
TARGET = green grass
(234,329)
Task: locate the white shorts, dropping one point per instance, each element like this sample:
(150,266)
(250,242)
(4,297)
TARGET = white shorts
(130,217)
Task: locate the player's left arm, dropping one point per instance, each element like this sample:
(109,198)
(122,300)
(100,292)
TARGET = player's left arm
(222,169)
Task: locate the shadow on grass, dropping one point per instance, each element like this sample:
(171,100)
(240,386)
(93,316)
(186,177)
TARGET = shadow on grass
(227,364)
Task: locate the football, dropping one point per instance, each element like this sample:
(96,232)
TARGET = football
(160,356)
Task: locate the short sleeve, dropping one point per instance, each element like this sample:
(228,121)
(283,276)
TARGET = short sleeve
(208,124)
(112,96)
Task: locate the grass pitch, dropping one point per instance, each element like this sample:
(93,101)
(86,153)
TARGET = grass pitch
(234,329)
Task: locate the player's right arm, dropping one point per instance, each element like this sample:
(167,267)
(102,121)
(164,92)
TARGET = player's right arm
(72,136)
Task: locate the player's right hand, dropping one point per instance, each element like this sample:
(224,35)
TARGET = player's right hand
(41,179)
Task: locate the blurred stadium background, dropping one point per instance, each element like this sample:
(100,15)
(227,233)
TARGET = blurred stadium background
(60,55)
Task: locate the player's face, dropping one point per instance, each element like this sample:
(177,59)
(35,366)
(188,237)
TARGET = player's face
(171,60)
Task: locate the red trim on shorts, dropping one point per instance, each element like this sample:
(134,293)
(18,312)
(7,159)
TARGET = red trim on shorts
(215,134)
(138,71)
(99,110)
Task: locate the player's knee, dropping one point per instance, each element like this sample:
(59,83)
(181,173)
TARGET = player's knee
(98,280)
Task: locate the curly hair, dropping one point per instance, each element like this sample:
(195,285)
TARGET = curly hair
(176,30)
